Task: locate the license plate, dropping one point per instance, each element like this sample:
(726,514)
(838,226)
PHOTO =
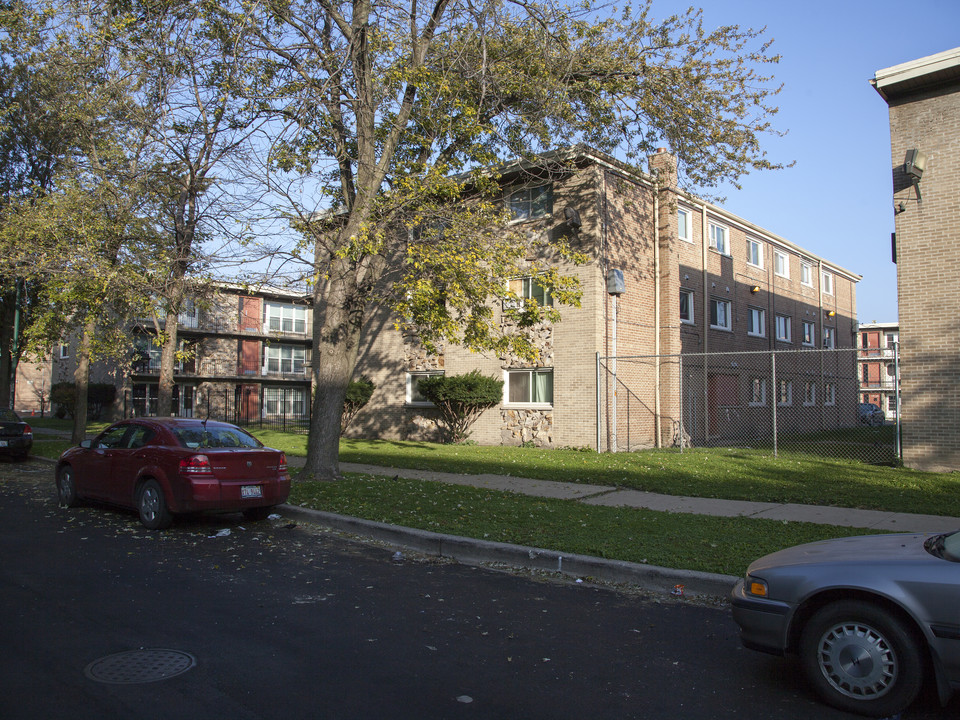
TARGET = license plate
(251,491)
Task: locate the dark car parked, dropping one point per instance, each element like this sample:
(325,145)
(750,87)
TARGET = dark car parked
(16,436)
(166,466)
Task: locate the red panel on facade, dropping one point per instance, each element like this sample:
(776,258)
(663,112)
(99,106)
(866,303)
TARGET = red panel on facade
(249,357)
(251,309)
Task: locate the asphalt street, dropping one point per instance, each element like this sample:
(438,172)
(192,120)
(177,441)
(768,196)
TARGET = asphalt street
(280,619)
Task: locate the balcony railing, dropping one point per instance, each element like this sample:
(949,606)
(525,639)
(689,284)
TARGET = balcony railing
(220,326)
(211,367)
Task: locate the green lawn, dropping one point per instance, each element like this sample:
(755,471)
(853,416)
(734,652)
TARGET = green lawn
(724,545)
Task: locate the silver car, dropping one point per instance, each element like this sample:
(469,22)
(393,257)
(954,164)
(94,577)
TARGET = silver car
(871,618)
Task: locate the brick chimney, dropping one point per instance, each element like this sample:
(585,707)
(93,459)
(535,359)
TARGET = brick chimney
(663,164)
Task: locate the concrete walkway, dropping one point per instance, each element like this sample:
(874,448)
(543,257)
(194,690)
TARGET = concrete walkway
(880,520)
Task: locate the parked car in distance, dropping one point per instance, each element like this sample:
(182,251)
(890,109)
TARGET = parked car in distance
(871,618)
(16,436)
(163,467)
(870,414)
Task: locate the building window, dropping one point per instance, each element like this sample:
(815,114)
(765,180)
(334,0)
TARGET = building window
(145,397)
(809,393)
(686,306)
(806,274)
(189,316)
(414,396)
(531,203)
(781,264)
(892,404)
(891,370)
(829,393)
(891,340)
(533,386)
(809,334)
(718,238)
(683,225)
(64,352)
(756,322)
(146,354)
(829,338)
(785,392)
(826,283)
(284,402)
(720,314)
(758,391)
(784,328)
(527,288)
(285,359)
(755,252)
(286,318)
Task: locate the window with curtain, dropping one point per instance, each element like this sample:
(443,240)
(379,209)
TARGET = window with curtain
(533,386)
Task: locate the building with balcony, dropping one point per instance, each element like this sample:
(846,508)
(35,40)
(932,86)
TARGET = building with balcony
(243,355)
(877,363)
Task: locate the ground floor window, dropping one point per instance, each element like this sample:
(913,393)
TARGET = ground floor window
(145,398)
(284,401)
(829,393)
(529,386)
(758,391)
(413,394)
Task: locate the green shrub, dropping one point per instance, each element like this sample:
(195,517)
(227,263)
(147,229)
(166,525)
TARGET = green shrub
(461,399)
(359,393)
(99,395)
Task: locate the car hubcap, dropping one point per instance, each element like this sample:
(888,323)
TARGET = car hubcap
(857,660)
(149,503)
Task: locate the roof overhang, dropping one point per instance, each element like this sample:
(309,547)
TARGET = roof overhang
(928,73)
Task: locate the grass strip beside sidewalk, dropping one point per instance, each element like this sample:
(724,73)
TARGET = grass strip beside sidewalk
(676,540)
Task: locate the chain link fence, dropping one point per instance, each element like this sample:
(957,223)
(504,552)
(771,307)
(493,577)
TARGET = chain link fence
(783,401)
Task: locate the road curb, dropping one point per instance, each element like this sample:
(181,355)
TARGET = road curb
(470,551)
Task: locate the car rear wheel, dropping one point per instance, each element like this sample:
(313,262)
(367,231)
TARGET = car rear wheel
(257,513)
(152,506)
(862,659)
(67,488)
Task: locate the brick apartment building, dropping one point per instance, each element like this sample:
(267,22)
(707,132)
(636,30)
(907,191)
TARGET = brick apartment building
(696,279)
(924,105)
(247,356)
(877,366)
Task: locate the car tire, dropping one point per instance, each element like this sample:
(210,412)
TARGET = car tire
(256,514)
(67,488)
(861,659)
(152,506)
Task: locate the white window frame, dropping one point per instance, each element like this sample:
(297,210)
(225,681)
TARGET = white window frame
(829,393)
(284,313)
(531,373)
(785,393)
(809,393)
(689,320)
(527,288)
(715,304)
(806,274)
(754,253)
(784,328)
(64,351)
(294,356)
(684,229)
(829,338)
(720,238)
(812,335)
(758,392)
(826,282)
(781,264)
(756,322)
(293,399)
(410,385)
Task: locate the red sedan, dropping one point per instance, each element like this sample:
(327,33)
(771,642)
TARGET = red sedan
(165,466)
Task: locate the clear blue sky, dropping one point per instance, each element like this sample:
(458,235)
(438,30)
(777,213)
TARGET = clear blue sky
(837,200)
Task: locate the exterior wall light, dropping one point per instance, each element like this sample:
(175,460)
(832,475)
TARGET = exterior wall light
(755,289)
(913,166)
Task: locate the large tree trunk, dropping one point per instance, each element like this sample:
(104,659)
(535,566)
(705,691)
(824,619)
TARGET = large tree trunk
(168,360)
(81,382)
(336,337)
(7,342)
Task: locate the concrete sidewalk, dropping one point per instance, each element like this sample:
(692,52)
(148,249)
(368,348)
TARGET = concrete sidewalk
(880,520)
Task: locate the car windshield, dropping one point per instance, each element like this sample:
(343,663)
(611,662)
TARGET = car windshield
(215,437)
(946,546)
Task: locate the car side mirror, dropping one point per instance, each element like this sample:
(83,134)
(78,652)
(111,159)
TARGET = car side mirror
(86,444)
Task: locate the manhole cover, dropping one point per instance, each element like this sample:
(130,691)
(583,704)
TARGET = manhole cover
(140,666)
